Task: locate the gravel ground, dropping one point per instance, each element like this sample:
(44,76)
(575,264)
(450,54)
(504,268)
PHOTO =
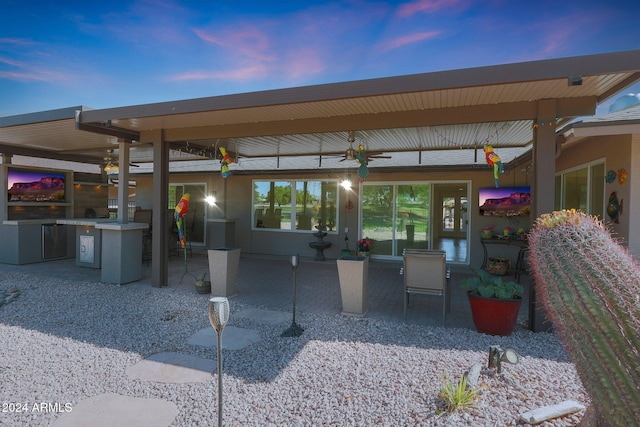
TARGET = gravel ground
(68,341)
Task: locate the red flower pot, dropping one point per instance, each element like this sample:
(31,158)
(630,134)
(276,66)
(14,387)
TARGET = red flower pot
(494,316)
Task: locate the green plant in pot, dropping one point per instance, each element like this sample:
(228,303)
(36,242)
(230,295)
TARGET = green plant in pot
(494,302)
(203,286)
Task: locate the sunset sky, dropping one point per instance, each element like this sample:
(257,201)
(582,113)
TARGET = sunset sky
(118,53)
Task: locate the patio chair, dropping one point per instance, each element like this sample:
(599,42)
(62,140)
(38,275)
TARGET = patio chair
(425,272)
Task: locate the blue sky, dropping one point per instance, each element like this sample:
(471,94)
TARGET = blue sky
(116,53)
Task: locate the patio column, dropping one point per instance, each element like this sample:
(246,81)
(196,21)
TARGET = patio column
(123,181)
(160,240)
(543,188)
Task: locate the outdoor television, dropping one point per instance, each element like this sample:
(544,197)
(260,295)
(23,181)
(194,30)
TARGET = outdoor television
(505,201)
(35,185)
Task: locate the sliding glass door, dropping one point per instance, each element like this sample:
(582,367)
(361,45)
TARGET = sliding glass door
(415,215)
(395,216)
(451,220)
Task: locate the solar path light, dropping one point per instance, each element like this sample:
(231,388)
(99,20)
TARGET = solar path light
(218,317)
(294,330)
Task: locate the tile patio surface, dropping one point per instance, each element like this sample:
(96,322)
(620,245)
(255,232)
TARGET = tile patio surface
(266,281)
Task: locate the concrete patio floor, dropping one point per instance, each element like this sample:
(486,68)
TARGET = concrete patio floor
(266,281)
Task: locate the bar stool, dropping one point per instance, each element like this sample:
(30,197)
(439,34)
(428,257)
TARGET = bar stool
(521,263)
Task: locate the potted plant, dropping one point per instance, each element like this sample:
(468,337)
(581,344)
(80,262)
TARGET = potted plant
(363,246)
(495,303)
(202,286)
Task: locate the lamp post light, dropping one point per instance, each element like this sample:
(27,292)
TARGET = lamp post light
(218,317)
(294,330)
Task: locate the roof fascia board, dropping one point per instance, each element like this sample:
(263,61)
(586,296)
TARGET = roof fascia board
(41,116)
(632,79)
(436,117)
(616,62)
(601,123)
(606,129)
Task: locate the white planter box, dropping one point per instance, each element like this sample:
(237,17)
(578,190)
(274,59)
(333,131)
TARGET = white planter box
(353,272)
(223,271)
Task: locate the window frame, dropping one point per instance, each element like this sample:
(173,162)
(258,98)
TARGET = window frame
(295,185)
(561,187)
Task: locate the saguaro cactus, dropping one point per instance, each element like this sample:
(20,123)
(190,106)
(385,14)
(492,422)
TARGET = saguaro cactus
(590,287)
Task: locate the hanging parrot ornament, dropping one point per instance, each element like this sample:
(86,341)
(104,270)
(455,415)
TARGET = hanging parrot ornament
(181,210)
(493,160)
(225,161)
(361,157)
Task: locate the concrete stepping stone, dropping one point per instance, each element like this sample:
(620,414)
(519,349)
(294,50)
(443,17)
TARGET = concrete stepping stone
(108,410)
(267,317)
(172,367)
(233,338)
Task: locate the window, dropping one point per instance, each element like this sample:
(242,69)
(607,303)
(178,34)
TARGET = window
(275,207)
(582,188)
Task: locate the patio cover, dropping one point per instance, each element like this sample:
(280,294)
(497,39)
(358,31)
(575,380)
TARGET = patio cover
(515,107)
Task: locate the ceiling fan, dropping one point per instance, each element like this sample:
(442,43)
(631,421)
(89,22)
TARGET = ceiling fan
(352,154)
(111,166)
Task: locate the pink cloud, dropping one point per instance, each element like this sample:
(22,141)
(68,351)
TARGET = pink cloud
(301,64)
(25,71)
(144,24)
(561,34)
(408,39)
(247,73)
(292,54)
(248,41)
(208,37)
(12,62)
(16,42)
(290,47)
(424,6)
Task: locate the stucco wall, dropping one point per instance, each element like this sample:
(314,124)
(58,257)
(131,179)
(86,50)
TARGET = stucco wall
(619,153)
(633,201)
(239,192)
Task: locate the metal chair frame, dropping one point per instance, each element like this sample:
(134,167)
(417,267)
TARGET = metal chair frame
(425,272)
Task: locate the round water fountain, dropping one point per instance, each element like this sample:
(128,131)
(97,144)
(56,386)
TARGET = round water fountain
(320,245)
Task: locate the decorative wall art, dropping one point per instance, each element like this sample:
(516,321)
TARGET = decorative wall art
(614,207)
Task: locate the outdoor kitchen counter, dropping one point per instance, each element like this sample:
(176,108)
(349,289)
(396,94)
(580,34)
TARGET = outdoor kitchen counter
(28,221)
(88,222)
(34,240)
(114,247)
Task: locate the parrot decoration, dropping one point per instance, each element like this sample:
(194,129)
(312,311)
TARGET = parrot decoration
(181,209)
(614,208)
(361,157)
(493,160)
(225,162)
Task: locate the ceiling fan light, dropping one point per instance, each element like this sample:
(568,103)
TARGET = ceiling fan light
(350,154)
